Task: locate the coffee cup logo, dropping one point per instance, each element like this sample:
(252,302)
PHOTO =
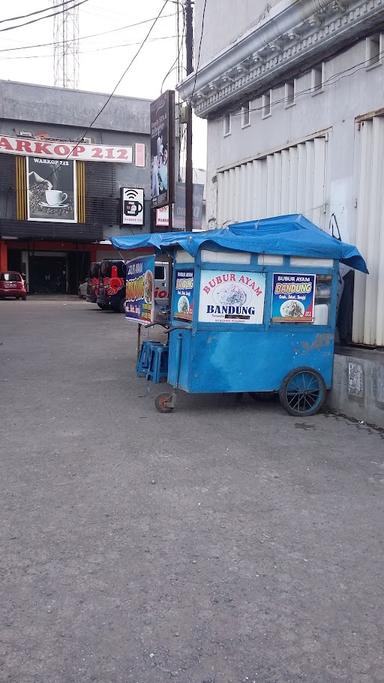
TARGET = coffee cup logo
(132,208)
(55,197)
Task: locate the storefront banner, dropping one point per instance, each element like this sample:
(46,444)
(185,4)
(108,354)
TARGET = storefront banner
(139,289)
(56,149)
(293,298)
(132,206)
(162,124)
(162,217)
(51,190)
(228,296)
(183,295)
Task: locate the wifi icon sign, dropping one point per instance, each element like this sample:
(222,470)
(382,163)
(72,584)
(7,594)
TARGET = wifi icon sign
(132,206)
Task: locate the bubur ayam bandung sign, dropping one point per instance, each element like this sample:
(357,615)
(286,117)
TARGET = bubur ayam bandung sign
(231,297)
(139,292)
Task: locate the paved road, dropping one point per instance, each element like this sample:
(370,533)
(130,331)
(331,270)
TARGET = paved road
(225,543)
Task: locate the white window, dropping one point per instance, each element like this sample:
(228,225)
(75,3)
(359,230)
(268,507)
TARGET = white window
(290,92)
(266,103)
(227,124)
(374,49)
(245,115)
(317,79)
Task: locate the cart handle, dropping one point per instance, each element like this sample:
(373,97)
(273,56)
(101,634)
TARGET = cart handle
(165,325)
(168,328)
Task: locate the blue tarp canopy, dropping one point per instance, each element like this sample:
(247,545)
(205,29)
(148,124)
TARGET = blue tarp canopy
(292,235)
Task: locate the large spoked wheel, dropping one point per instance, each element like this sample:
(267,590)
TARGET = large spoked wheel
(164,403)
(302,392)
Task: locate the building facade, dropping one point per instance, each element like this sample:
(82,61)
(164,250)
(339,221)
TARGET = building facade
(61,183)
(294,97)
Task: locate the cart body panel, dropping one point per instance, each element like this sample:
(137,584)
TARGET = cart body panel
(213,362)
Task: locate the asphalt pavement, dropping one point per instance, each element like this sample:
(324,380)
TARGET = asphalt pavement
(224,543)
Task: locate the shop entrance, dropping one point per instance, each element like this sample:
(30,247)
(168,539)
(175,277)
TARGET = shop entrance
(47,274)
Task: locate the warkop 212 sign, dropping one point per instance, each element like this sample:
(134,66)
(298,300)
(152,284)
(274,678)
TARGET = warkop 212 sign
(57,149)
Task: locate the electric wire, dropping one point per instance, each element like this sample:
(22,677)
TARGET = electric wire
(91,35)
(175,63)
(47,16)
(89,52)
(107,101)
(199,50)
(31,14)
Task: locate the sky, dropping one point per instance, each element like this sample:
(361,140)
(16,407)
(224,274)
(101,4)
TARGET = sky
(103,58)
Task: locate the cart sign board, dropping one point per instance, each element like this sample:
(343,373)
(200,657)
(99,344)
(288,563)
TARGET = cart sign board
(132,206)
(293,298)
(162,115)
(228,296)
(139,290)
(51,185)
(183,296)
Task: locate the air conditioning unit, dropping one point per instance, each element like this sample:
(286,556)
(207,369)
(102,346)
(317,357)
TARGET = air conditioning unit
(25,134)
(88,141)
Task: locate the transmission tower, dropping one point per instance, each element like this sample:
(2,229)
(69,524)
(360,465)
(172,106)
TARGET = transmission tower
(66,45)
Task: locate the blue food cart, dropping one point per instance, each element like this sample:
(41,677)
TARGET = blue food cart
(253,309)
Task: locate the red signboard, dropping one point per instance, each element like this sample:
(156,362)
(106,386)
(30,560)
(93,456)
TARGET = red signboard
(56,149)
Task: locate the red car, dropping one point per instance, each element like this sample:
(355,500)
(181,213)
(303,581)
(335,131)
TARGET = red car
(12,284)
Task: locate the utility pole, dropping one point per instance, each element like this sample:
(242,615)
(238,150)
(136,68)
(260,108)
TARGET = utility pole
(188,118)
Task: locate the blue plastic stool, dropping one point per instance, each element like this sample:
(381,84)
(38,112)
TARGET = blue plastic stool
(144,359)
(158,367)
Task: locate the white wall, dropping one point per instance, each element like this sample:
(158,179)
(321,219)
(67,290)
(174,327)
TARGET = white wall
(225,21)
(321,131)
(345,96)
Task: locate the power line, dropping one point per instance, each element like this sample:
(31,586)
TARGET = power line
(199,51)
(122,75)
(180,45)
(91,35)
(31,14)
(91,51)
(47,16)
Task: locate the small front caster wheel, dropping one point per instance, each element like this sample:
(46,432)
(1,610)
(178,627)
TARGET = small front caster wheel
(164,403)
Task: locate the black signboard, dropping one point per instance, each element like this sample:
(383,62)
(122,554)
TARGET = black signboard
(51,187)
(162,149)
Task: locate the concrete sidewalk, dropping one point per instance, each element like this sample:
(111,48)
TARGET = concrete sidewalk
(224,543)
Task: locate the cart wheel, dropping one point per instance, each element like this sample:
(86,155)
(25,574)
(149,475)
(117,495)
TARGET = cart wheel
(163,403)
(302,392)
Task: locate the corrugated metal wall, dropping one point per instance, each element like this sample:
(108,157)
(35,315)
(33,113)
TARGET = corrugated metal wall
(368,314)
(289,180)
(102,194)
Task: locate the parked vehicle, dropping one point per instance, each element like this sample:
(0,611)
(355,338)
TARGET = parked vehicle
(93,282)
(111,292)
(82,290)
(12,285)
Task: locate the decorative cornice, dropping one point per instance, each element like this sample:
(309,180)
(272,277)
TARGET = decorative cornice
(293,34)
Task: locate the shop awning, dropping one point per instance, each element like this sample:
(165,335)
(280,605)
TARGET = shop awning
(292,235)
